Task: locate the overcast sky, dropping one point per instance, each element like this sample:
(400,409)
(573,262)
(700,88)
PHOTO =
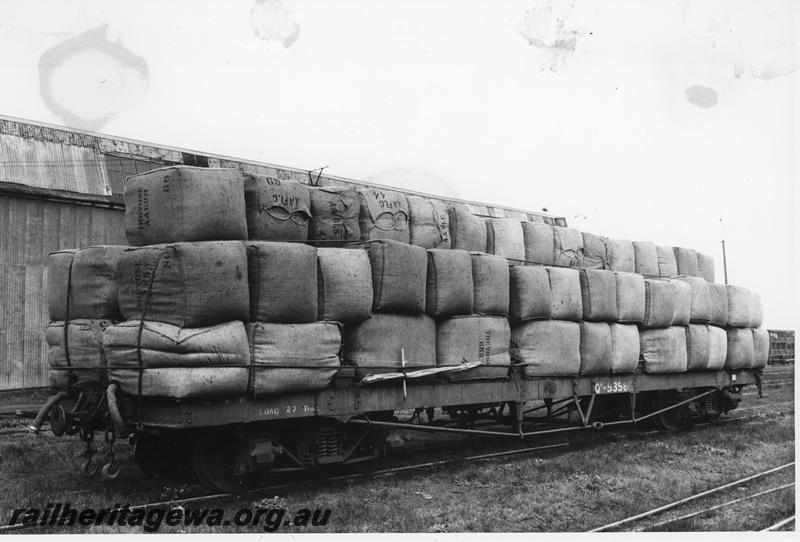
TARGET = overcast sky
(671,121)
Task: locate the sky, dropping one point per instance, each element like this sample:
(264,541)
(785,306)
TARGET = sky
(670,121)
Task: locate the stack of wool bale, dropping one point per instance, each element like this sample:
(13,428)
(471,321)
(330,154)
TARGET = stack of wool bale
(238,283)
(82,303)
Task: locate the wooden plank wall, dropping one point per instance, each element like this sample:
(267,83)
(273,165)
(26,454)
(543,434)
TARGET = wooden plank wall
(29,230)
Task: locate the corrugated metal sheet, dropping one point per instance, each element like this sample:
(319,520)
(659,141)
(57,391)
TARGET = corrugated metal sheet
(30,230)
(47,164)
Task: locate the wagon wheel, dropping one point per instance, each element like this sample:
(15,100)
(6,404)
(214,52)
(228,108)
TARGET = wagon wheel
(216,458)
(669,420)
(165,456)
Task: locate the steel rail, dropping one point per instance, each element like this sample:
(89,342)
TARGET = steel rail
(779,525)
(716,507)
(671,505)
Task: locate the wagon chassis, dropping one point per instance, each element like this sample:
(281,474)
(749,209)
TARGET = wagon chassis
(229,443)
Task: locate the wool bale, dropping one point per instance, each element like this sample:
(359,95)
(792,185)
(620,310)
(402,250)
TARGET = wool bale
(630,288)
(76,343)
(739,306)
(624,348)
(467,231)
(646,258)
(449,289)
(760,348)
(276,210)
(531,217)
(529,293)
(185,284)
(283,282)
(664,349)
(491,284)
(595,348)
(182,203)
(683,303)
(659,303)
(310,345)
(428,223)
(539,242)
(701,304)
(83,284)
(686,258)
(398,275)
(567,247)
(705,267)
(595,251)
(334,216)
(565,289)
(383,215)
(756,310)
(344,285)
(383,339)
(59,272)
(667,266)
(504,238)
(741,349)
(698,347)
(547,347)
(178,362)
(484,339)
(621,256)
(598,295)
(719,304)
(717,348)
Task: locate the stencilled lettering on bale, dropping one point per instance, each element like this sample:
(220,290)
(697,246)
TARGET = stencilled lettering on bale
(383,215)
(183,203)
(567,246)
(429,223)
(484,339)
(276,210)
(334,216)
(595,251)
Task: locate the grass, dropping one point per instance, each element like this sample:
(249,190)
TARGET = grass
(563,490)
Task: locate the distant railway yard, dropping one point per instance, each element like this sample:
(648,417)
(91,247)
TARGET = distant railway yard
(736,474)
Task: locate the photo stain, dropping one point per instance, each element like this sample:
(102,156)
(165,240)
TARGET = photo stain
(271,23)
(86,80)
(700,96)
(544,29)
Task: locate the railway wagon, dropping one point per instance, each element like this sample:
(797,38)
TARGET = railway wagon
(231,439)
(781,346)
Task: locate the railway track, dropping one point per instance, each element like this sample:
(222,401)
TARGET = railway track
(407,453)
(638,523)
